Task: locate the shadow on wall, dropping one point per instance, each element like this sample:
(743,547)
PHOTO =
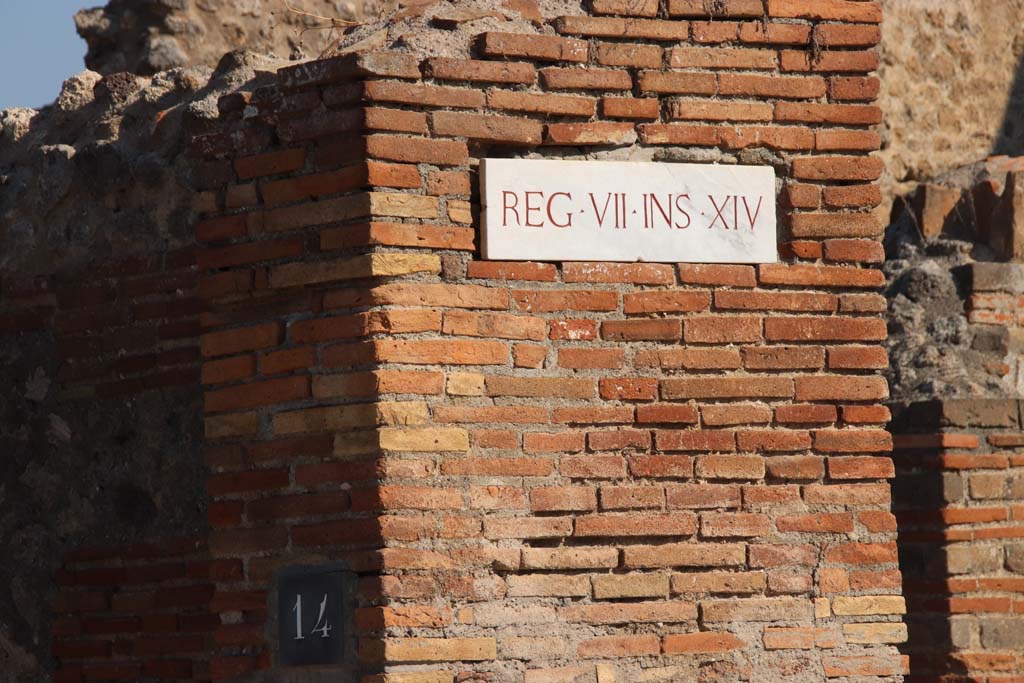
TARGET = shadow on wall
(957,497)
(1009,139)
(920,491)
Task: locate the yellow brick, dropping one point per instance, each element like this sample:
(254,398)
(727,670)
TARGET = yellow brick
(605,673)
(326,419)
(567,674)
(865,605)
(383,265)
(822,609)
(411,677)
(392,413)
(460,211)
(608,586)
(352,444)
(439,649)
(362,266)
(403,205)
(875,633)
(238,424)
(424,440)
(466,384)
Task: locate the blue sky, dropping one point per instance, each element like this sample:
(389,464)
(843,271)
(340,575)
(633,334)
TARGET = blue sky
(38,49)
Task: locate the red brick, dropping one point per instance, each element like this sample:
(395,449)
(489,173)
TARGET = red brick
(697,496)
(270,163)
(837,388)
(694,440)
(256,394)
(862,553)
(633,273)
(565,442)
(673,524)
(721,58)
(773,440)
(619,646)
(448,183)
(804,467)
(806,414)
(770,556)
(641,330)
(565,300)
(865,414)
(629,389)
(502,129)
(824,329)
(225,370)
(791,138)
(674,134)
(837,168)
(716,110)
(790,87)
(734,524)
(666,413)
(775,301)
(556,78)
(854,88)
(865,251)
(841,114)
(714,274)
(609,27)
(632,497)
(580,359)
(569,105)
(820,276)
(719,415)
(661,466)
(416,150)
(706,642)
(594,415)
(645,108)
(774,33)
(563,499)
(540,387)
(730,467)
(494,325)
(543,48)
(721,329)
(629,54)
(437,351)
(830,61)
(860,467)
(689,83)
(859,11)
(847,141)
(858,358)
(715,31)
(592,466)
(451,69)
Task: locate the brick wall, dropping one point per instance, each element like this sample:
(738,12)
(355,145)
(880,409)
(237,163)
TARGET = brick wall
(136,613)
(556,472)
(120,327)
(959,500)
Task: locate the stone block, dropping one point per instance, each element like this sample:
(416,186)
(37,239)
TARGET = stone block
(1003,633)
(973,559)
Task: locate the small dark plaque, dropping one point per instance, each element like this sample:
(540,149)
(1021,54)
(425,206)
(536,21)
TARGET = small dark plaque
(311,610)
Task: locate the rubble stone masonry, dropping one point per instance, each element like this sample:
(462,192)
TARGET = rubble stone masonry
(554,472)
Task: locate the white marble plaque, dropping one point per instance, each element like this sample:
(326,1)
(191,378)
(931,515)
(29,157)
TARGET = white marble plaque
(627,211)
